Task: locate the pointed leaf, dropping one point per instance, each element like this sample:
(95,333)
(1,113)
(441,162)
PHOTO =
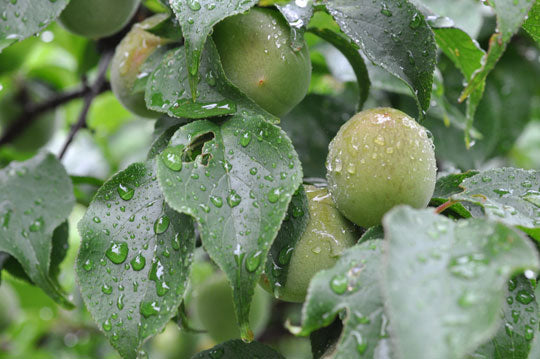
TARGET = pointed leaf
(23,18)
(36,197)
(509,195)
(352,286)
(197,18)
(394,35)
(532,25)
(134,260)
(238,186)
(448,279)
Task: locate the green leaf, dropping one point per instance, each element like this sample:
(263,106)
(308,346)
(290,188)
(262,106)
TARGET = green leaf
(447,279)
(24,18)
(532,25)
(197,18)
(298,15)
(352,287)
(519,324)
(36,197)
(449,185)
(168,89)
(510,15)
(508,195)
(290,233)
(464,52)
(394,35)
(134,260)
(236,349)
(350,51)
(237,179)
(168,28)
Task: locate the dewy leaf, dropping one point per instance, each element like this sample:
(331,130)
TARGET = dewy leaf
(510,15)
(350,51)
(394,35)
(519,324)
(532,25)
(509,195)
(134,260)
(236,349)
(448,185)
(36,197)
(464,52)
(197,18)
(237,179)
(290,233)
(297,14)
(444,281)
(351,286)
(23,18)
(167,89)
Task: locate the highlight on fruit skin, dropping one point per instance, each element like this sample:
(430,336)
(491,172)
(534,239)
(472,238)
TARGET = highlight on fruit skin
(327,235)
(129,56)
(98,18)
(380,158)
(256,54)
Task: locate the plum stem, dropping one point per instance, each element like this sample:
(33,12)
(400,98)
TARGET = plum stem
(444,206)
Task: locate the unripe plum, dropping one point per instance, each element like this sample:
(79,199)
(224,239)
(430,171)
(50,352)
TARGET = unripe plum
(128,58)
(325,238)
(97,18)
(257,57)
(380,158)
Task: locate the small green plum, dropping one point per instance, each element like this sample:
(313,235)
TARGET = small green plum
(257,57)
(215,309)
(129,56)
(380,158)
(325,238)
(98,18)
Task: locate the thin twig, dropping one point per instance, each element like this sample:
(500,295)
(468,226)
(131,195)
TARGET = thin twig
(444,206)
(88,98)
(32,112)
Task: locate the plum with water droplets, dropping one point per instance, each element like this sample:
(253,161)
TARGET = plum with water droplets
(380,158)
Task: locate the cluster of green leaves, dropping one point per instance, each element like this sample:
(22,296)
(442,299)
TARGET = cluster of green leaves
(221,168)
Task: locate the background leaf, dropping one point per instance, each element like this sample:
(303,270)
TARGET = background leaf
(453,275)
(389,33)
(236,179)
(235,349)
(24,18)
(134,260)
(532,24)
(36,197)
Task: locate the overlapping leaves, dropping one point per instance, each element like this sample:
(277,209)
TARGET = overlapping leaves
(236,178)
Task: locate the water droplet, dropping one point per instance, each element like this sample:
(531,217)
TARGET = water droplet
(149,309)
(138,262)
(233,199)
(117,252)
(161,224)
(194,5)
(88,265)
(37,225)
(120,302)
(107,326)
(106,289)
(339,284)
(96,219)
(524,297)
(157,274)
(415,21)
(245,139)
(216,201)
(285,255)
(385,11)
(176,242)
(125,192)
(273,195)
(172,158)
(253,261)
(468,266)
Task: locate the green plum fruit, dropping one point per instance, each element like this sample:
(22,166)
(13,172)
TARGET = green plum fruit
(98,18)
(257,57)
(215,309)
(380,158)
(128,58)
(325,238)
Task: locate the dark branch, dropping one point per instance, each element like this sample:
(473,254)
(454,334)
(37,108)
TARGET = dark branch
(104,62)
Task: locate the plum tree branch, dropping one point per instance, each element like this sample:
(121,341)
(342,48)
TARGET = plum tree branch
(95,89)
